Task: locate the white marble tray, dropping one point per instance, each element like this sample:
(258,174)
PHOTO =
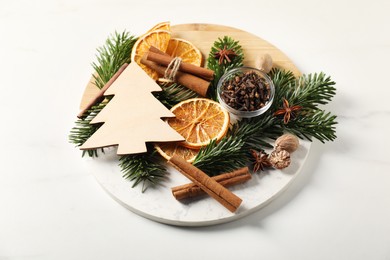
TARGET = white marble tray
(158,203)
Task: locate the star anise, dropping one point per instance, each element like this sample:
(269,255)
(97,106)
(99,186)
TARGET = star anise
(260,160)
(224,54)
(287,110)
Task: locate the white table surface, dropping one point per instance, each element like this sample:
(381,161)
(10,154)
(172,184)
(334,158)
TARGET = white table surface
(51,208)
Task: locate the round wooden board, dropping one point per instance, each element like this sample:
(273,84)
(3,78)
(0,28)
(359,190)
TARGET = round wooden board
(204,35)
(158,204)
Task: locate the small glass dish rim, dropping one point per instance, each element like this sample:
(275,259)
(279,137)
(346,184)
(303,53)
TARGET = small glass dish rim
(246,114)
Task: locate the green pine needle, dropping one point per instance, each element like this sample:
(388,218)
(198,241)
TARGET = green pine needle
(316,124)
(142,168)
(83,129)
(283,81)
(308,91)
(232,152)
(312,90)
(173,93)
(220,69)
(224,156)
(257,131)
(111,56)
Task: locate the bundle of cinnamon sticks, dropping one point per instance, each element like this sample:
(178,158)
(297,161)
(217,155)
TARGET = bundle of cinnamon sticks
(214,187)
(193,77)
(228,179)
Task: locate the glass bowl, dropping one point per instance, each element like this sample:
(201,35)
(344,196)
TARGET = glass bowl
(245,92)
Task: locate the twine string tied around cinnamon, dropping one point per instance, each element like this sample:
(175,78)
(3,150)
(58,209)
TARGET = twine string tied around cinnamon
(172,69)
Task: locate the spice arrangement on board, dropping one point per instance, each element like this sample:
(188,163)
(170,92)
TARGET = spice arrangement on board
(215,120)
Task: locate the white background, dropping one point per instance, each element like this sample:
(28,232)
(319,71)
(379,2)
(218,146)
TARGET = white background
(51,208)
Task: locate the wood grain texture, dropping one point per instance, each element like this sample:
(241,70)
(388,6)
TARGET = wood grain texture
(203,37)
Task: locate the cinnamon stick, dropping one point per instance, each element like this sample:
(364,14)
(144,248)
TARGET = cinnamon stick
(157,50)
(164,59)
(206,183)
(190,81)
(100,95)
(191,190)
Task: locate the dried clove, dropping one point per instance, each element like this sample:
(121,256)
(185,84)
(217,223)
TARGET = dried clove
(246,92)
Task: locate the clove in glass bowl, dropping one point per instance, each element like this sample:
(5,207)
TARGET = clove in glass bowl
(245,92)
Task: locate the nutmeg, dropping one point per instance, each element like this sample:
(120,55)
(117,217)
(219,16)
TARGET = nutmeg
(288,142)
(264,63)
(280,159)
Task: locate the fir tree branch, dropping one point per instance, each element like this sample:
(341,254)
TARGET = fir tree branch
(257,131)
(220,69)
(224,156)
(312,90)
(308,91)
(232,152)
(83,129)
(317,123)
(173,93)
(142,168)
(283,81)
(282,78)
(111,56)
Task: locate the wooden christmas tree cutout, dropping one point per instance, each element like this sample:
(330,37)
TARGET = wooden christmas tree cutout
(133,115)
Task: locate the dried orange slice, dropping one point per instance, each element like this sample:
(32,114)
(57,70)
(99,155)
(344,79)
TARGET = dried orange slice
(161,26)
(185,50)
(167,150)
(199,120)
(156,38)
